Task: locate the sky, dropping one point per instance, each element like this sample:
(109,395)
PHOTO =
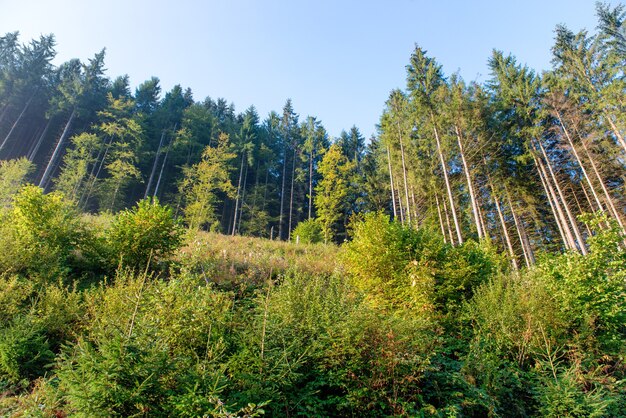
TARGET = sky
(337,60)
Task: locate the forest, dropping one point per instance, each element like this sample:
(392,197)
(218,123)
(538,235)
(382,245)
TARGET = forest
(162,255)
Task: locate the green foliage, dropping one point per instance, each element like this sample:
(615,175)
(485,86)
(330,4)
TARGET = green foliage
(404,266)
(564,396)
(308,232)
(144,234)
(546,348)
(151,347)
(204,181)
(13,175)
(24,351)
(332,190)
(15,294)
(76,162)
(41,234)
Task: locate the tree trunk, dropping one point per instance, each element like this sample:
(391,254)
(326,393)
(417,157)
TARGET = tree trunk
(578,159)
(401,210)
(406,187)
(310,181)
(443,229)
(619,136)
(505,231)
(571,217)
(57,151)
(33,152)
(445,211)
(521,233)
(267,175)
(447,181)
(243,197)
(243,154)
(609,199)
(167,152)
(554,205)
(154,165)
(17,121)
(282,198)
(393,197)
(415,219)
(470,186)
(94,176)
(5,108)
(293,175)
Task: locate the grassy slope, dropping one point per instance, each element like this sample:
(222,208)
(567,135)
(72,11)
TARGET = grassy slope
(225,259)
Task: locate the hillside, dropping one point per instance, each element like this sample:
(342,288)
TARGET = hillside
(168,256)
(132,316)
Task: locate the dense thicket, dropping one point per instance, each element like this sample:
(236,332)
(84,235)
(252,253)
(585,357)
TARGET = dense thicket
(396,322)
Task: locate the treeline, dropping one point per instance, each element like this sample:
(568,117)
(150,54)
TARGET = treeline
(517,159)
(106,147)
(514,160)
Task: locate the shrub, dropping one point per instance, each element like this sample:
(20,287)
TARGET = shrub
(40,235)
(143,234)
(150,348)
(408,267)
(15,294)
(308,232)
(24,351)
(13,174)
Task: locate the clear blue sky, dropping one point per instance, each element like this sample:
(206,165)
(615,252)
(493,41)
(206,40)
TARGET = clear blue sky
(337,60)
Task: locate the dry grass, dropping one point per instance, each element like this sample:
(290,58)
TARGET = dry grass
(225,259)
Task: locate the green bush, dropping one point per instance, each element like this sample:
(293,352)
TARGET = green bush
(408,267)
(145,234)
(40,235)
(15,298)
(307,232)
(24,351)
(13,175)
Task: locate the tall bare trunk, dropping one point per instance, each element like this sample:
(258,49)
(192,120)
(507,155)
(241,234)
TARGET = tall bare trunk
(310,181)
(57,151)
(415,218)
(580,208)
(445,212)
(243,154)
(555,206)
(572,219)
(154,165)
(447,181)
(167,152)
(243,197)
(5,108)
(507,238)
(578,159)
(406,185)
(17,121)
(616,131)
(521,232)
(393,195)
(33,152)
(293,175)
(470,186)
(607,195)
(443,229)
(282,198)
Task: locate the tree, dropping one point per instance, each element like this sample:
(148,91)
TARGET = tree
(331,192)
(204,181)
